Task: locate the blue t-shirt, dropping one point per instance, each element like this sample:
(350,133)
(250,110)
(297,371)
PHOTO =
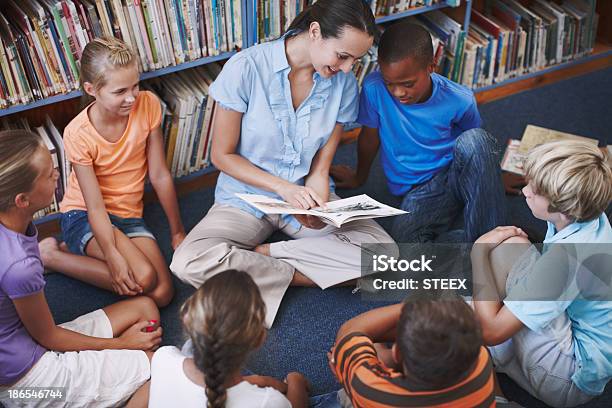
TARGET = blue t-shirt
(416,140)
(591,320)
(275,137)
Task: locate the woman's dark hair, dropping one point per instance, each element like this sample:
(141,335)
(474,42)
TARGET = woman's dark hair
(439,340)
(225,321)
(334,15)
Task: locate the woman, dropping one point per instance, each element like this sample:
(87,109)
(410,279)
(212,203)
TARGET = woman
(282,109)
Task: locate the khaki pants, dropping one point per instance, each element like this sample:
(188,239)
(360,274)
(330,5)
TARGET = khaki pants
(225,237)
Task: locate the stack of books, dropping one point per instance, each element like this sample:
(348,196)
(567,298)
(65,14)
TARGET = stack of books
(188,114)
(42,40)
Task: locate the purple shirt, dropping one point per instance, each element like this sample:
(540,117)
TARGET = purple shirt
(21,274)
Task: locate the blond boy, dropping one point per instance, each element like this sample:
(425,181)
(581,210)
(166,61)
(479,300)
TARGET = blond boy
(552,333)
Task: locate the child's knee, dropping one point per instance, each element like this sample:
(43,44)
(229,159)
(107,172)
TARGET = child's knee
(475,142)
(146,307)
(146,276)
(516,240)
(162,295)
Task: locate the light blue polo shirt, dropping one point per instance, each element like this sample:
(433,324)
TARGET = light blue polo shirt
(591,320)
(275,137)
(416,140)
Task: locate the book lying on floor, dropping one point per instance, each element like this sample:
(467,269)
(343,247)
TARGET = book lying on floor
(336,212)
(535,135)
(517,150)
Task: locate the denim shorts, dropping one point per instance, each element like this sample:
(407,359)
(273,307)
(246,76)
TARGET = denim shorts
(77,232)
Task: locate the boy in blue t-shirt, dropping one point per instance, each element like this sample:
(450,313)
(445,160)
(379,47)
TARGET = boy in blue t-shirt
(434,153)
(548,316)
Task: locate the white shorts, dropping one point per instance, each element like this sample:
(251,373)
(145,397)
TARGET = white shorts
(106,378)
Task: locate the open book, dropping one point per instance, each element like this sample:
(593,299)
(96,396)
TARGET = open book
(336,212)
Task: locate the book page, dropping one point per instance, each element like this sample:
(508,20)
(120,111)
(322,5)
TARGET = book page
(535,135)
(336,212)
(357,207)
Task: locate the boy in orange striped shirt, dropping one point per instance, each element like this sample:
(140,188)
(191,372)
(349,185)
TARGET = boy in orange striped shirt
(437,359)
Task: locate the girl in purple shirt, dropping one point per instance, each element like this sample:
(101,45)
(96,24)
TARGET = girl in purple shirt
(34,351)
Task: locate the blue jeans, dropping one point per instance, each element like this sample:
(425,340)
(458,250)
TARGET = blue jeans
(77,232)
(329,400)
(471,183)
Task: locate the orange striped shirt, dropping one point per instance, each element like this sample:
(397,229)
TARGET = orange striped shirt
(371,384)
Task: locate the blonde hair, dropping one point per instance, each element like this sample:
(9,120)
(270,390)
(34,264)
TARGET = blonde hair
(102,54)
(573,176)
(17,174)
(225,321)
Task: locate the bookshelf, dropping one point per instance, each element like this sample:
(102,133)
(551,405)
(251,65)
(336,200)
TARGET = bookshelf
(600,58)
(423,9)
(143,76)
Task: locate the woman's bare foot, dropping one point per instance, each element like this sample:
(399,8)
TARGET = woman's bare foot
(263,249)
(299,279)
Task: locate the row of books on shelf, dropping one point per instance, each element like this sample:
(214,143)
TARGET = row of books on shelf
(387,7)
(41,41)
(512,39)
(507,40)
(187,117)
(273,17)
(188,113)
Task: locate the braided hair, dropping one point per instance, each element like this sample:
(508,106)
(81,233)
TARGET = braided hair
(225,321)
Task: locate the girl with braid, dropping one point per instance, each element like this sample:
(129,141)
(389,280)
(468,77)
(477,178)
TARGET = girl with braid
(224,320)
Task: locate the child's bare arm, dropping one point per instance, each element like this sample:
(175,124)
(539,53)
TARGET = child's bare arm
(35,315)
(297,390)
(96,210)
(162,182)
(123,280)
(497,322)
(367,147)
(378,324)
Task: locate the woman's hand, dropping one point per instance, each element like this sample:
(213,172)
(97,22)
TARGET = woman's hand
(122,277)
(299,196)
(136,338)
(177,239)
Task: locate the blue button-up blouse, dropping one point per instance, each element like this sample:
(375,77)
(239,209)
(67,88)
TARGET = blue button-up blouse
(274,136)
